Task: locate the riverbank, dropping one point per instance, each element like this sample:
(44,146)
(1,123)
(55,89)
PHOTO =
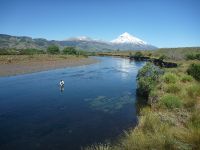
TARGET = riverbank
(170,119)
(22,64)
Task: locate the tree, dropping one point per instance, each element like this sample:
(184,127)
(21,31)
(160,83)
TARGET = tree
(53,49)
(70,51)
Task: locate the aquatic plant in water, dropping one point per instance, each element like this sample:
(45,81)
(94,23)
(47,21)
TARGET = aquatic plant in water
(110,104)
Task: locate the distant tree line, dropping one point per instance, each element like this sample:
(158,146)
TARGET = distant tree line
(13,51)
(52,49)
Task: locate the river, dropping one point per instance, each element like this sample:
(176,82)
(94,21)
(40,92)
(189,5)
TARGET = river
(97,103)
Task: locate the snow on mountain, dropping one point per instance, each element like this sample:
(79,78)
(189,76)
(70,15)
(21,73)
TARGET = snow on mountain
(127,38)
(124,42)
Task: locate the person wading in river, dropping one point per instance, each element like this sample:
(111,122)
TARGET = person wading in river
(62,83)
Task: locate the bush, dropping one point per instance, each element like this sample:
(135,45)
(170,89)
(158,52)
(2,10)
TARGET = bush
(170,101)
(190,56)
(193,56)
(194,70)
(170,78)
(138,54)
(147,78)
(70,51)
(53,49)
(162,57)
(149,54)
(198,56)
(186,78)
(193,91)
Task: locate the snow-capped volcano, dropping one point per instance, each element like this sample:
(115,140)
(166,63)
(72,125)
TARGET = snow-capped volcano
(124,42)
(127,38)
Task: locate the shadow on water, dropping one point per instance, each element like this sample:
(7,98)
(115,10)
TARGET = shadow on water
(141,102)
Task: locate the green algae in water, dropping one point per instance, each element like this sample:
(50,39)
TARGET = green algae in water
(110,104)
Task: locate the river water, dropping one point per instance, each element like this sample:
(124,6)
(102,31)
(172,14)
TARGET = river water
(97,103)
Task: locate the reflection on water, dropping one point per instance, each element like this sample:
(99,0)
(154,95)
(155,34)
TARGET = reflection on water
(125,67)
(97,104)
(62,88)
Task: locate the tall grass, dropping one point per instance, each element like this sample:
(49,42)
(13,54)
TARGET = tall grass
(98,147)
(193,90)
(170,101)
(172,88)
(170,78)
(186,78)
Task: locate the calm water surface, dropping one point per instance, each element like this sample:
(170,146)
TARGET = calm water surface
(96,105)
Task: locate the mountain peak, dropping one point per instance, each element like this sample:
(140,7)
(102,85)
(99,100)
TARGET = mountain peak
(127,38)
(125,34)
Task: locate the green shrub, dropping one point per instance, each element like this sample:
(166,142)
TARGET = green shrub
(170,101)
(53,49)
(138,54)
(162,57)
(193,56)
(70,51)
(190,56)
(170,78)
(147,78)
(149,54)
(193,91)
(194,70)
(186,78)
(172,88)
(198,56)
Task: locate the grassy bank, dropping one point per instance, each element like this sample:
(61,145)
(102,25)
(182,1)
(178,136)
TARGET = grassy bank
(13,59)
(171,119)
(21,64)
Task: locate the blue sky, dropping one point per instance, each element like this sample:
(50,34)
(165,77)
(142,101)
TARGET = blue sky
(163,23)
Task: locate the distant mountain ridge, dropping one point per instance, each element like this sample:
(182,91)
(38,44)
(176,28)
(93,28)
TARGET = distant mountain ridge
(123,42)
